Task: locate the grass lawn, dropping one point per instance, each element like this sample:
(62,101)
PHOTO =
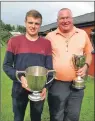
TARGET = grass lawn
(87,111)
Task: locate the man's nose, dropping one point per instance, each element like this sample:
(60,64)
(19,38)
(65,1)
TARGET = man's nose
(65,20)
(33,25)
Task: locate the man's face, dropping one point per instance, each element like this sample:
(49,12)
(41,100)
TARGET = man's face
(65,21)
(32,25)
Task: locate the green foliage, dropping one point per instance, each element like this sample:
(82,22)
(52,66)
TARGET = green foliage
(20,29)
(8,27)
(13,28)
(4,33)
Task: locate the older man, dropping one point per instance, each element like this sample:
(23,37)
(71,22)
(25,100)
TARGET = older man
(64,101)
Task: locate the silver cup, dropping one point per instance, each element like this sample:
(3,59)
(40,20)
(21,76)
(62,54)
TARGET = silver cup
(78,62)
(36,79)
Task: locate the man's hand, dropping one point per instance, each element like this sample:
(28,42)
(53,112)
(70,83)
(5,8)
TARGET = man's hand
(82,71)
(43,94)
(24,83)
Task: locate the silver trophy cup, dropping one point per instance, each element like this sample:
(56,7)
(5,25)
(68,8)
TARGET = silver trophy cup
(78,62)
(36,79)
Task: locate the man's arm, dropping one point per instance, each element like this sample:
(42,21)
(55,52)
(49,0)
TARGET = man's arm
(8,64)
(87,51)
(49,65)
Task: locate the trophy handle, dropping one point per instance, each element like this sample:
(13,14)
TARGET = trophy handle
(17,72)
(74,61)
(53,76)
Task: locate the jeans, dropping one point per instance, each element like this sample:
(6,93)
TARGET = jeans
(19,107)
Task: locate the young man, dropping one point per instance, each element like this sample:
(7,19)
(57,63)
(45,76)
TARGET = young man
(64,101)
(24,51)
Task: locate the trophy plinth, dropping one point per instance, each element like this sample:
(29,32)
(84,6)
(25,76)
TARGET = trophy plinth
(36,79)
(78,62)
(78,83)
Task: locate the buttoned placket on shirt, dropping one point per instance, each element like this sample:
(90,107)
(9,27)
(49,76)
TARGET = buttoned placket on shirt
(67,40)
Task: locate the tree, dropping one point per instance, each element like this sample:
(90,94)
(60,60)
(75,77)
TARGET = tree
(20,28)
(8,27)
(4,33)
(13,27)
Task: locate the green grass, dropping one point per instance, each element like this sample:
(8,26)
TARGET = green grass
(87,111)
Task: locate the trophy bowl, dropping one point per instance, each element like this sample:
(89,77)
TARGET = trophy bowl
(78,62)
(36,79)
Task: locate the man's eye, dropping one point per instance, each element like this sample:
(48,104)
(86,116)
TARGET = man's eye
(34,23)
(30,22)
(37,23)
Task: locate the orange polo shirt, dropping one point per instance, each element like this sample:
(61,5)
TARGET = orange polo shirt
(78,43)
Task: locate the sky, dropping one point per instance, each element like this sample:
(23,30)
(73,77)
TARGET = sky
(14,12)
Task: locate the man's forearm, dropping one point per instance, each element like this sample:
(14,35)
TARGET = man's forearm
(88,59)
(8,66)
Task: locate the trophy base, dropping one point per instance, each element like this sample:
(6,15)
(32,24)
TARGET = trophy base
(78,83)
(78,87)
(35,96)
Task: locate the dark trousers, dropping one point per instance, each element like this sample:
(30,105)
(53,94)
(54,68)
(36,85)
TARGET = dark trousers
(19,107)
(64,101)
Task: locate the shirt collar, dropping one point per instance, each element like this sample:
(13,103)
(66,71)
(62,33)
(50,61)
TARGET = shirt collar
(74,30)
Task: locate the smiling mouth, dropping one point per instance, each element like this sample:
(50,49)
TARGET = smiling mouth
(66,25)
(32,30)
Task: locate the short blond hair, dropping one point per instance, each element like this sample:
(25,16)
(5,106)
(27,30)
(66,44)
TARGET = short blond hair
(33,13)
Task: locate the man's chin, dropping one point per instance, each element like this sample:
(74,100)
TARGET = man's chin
(33,34)
(66,30)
